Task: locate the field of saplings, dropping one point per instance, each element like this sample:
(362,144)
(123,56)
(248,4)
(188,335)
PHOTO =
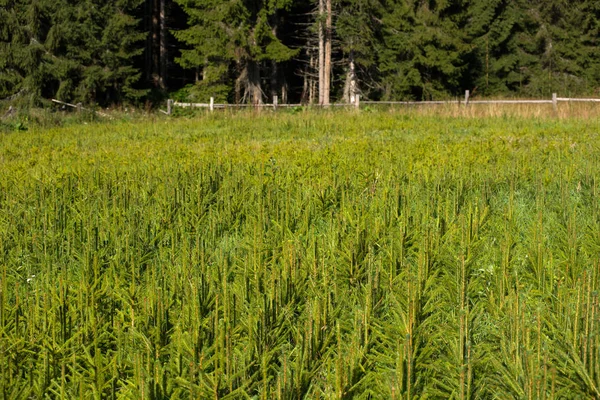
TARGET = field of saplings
(314,255)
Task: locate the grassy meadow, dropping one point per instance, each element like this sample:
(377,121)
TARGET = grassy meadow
(315,255)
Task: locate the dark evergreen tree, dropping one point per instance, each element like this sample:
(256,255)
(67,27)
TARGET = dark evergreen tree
(24,61)
(94,44)
(503,61)
(359,29)
(212,40)
(76,51)
(425,51)
(566,51)
(231,42)
(250,50)
(590,40)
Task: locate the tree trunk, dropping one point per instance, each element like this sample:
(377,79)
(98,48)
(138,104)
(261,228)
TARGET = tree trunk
(253,87)
(284,91)
(306,83)
(310,85)
(155,44)
(250,80)
(275,85)
(148,20)
(327,61)
(239,82)
(274,79)
(321,52)
(163,45)
(350,87)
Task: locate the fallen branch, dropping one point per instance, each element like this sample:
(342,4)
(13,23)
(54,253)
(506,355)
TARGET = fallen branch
(81,108)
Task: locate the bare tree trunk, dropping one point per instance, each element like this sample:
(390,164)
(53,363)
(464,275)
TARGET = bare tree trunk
(239,82)
(313,94)
(309,87)
(148,16)
(327,61)
(155,44)
(163,45)
(306,83)
(353,83)
(284,91)
(314,84)
(321,52)
(254,89)
(275,86)
(350,87)
(274,79)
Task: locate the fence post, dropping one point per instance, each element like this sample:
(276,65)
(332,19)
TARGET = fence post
(555,101)
(467,94)
(275,102)
(79,107)
(357,101)
(212,104)
(169,107)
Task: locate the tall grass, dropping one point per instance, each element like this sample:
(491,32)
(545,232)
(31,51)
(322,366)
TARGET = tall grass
(316,255)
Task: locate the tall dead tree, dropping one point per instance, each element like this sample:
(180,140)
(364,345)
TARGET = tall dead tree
(275,81)
(163,45)
(154,43)
(351,87)
(321,29)
(327,64)
(156,49)
(325,24)
(310,74)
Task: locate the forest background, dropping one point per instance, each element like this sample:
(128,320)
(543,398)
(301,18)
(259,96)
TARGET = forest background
(110,52)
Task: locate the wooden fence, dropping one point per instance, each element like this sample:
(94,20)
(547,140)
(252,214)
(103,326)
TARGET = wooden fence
(357,103)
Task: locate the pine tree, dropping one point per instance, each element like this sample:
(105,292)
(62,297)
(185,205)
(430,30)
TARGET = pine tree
(503,61)
(425,52)
(10,44)
(359,28)
(566,37)
(263,48)
(23,59)
(94,44)
(122,44)
(590,40)
(232,36)
(76,51)
(211,38)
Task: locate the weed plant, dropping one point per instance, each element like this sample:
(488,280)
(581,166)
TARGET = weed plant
(307,255)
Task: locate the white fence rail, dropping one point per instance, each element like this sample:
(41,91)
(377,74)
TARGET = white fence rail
(357,103)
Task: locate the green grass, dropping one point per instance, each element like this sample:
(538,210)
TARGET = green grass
(315,255)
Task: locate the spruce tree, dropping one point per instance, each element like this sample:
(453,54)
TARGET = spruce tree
(95,44)
(81,51)
(566,37)
(212,39)
(503,60)
(231,42)
(24,62)
(359,30)
(425,52)
(590,40)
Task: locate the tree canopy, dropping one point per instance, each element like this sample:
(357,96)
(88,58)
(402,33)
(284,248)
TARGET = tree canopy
(116,51)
